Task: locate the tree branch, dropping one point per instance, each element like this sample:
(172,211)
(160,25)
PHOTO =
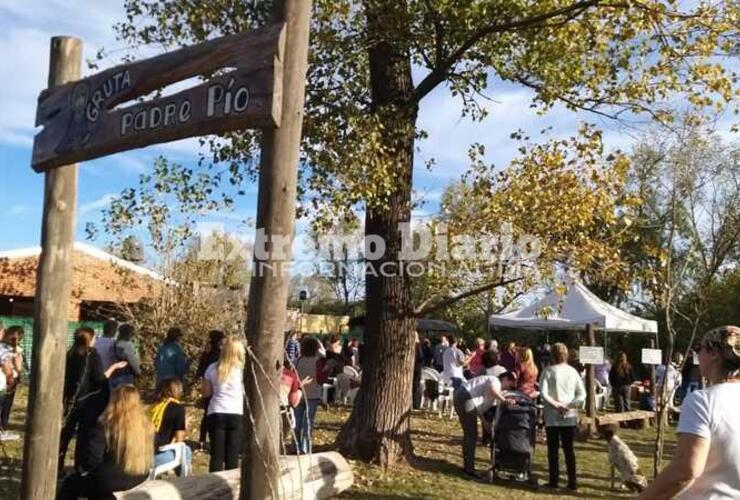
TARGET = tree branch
(439,73)
(426,308)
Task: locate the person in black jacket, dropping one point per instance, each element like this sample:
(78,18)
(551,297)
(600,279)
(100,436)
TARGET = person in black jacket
(116,454)
(621,377)
(85,387)
(124,350)
(209,356)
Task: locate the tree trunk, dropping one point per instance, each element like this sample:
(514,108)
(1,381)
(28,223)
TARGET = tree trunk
(268,291)
(378,429)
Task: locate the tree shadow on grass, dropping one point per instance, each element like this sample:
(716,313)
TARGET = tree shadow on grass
(10,478)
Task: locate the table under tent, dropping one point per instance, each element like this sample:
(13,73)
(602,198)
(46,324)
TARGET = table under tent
(577,309)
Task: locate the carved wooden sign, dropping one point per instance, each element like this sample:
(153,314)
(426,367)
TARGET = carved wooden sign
(83,120)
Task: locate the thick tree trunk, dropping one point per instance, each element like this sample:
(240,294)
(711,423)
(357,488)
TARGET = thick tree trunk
(378,429)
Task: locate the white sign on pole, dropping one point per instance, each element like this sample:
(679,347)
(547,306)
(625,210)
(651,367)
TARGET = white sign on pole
(695,358)
(652,357)
(589,355)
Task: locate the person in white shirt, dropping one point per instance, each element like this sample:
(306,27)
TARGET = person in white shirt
(11,354)
(471,400)
(454,362)
(563,392)
(223,384)
(706,464)
(674,375)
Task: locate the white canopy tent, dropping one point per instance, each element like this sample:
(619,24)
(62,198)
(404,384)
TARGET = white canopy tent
(574,310)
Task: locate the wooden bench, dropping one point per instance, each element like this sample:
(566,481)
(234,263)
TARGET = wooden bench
(627,416)
(322,475)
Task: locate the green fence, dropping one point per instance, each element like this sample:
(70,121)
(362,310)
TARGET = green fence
(27,324)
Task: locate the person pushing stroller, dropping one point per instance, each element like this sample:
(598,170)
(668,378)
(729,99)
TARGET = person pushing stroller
(472,400)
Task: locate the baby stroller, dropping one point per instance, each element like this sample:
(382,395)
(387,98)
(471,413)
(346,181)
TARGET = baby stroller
(513,435)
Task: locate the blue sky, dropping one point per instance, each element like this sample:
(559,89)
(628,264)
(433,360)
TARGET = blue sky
(25,29)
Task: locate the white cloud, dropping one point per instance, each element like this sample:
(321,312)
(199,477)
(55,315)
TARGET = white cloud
(98,204)
(26,28)
(450,136)
(17,209)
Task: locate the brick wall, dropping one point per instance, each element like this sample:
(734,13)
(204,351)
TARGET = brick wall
(93,279)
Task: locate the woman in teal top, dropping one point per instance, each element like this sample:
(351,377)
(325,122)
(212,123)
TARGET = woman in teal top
(563,393)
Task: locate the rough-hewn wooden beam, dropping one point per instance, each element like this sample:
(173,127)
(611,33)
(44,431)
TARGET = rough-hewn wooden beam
(81,121)
(322,475)
(53,286)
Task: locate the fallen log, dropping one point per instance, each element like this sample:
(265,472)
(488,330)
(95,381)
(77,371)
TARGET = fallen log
(322,475)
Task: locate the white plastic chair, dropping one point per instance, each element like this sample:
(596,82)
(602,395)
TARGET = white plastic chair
(325,388)
(430,374)
(446,393)
(178,461)
(345,392)
(601,395)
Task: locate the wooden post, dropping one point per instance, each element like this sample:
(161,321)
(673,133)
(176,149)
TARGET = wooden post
(268,291)
(53,286)
(590,384)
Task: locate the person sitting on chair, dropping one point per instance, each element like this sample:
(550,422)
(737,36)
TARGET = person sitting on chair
(622,459)
(168,417)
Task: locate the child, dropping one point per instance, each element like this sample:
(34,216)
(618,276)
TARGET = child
(622,458)
(647,401)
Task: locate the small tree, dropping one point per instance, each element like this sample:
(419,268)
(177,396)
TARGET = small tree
(340,265)
(690,224)
(203,279)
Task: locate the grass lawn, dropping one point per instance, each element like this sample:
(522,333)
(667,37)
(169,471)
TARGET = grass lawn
(436,473)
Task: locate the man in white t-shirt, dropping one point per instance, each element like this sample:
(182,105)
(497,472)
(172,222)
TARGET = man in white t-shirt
(454,361)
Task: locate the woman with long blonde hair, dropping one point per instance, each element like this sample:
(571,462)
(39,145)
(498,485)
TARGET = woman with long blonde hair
(223,384)
(527,373)
(116,454)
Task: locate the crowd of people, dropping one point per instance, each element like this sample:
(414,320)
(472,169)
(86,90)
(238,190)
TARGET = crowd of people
(483,377)
(119,439)
(308,365)
(706,462)
(100,390)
